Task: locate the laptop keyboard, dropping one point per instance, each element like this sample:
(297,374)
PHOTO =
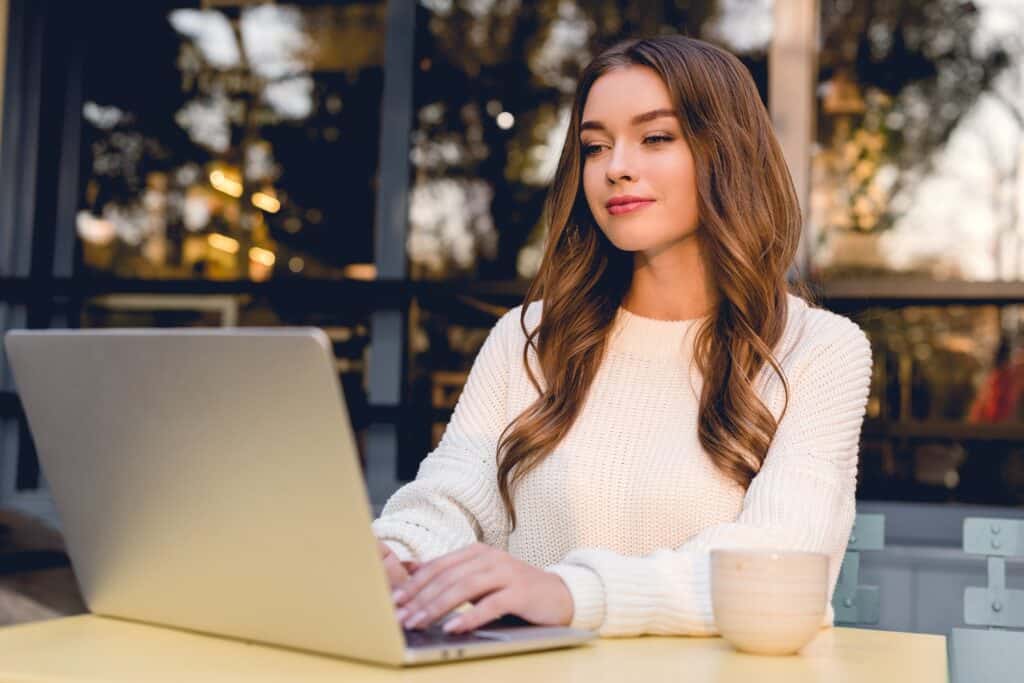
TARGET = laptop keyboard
(435,636)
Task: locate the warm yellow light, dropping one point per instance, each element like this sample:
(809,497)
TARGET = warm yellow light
(262,256)
(269,203)
(228,186)
(223,242)
(361,271)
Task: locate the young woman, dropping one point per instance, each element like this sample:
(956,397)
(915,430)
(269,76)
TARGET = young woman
(660,393)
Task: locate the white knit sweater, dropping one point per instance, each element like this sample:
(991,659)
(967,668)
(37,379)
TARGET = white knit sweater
(628,506)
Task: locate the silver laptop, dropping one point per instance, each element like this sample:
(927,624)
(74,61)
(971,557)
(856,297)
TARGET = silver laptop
(208,479)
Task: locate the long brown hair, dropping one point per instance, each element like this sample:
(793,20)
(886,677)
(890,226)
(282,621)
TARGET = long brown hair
(749,228)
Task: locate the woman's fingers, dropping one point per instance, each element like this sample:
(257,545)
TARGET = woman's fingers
(498,583)
(475,588)
(470,581)
(494,606)
(426,572)
(442,582)
(397,575)
(396,570)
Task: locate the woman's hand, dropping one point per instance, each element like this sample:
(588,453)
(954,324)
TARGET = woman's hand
(398,571)
(496,582)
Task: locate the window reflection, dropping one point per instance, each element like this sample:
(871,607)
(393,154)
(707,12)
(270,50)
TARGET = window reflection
(930,360)
(232,142)
(944,413)
(918,164)
(444,338)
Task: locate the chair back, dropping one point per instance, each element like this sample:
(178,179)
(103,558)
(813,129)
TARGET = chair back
(854,604)
(993,654)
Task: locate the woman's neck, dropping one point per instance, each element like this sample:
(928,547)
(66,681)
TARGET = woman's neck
(670,284)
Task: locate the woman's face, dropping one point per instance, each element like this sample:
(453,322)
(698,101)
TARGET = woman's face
(632,146)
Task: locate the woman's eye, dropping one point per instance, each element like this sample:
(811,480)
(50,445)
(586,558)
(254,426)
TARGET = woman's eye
(655,139)
(590,150)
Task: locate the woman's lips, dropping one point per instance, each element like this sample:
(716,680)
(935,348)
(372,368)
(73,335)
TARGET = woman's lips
(618,209)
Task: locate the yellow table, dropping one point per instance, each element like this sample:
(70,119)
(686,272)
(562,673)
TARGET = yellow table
(90,648)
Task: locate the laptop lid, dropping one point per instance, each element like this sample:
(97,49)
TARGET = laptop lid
(208,479)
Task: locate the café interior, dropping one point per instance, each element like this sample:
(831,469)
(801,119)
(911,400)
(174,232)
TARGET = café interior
(378,169)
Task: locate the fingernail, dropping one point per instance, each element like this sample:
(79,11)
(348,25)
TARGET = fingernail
(400,614)
(451,625)
(397,595)
(416,619)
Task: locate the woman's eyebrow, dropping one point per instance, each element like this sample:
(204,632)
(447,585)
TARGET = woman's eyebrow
(636,120)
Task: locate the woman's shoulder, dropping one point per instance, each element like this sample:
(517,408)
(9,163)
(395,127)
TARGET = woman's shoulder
(510,325)
(817,334)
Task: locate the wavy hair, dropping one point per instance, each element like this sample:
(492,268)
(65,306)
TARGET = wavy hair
(748,232)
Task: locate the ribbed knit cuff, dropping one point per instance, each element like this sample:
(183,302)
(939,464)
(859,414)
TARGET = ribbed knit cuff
(401,550)
(667,592)
(411,542)
(587,595)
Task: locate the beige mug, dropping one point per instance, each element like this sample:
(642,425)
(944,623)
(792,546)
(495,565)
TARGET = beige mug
(770,602)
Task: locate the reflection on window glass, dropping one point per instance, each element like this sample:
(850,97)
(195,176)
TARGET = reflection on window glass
(931,361)
(974,471)
(445,337)
(919,163)
(234,142)
(945,414)
(492,93)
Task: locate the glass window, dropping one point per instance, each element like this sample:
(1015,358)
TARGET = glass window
(919,162)
(232,141)
(944,414)
(445,337)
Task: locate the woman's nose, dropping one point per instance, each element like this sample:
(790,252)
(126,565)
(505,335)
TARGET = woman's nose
(619,165)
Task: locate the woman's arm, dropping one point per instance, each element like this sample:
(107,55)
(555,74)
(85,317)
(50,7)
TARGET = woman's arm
(802,499)
(454,500)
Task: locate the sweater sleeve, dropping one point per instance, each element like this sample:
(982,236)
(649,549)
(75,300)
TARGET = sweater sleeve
(802,499)
(454,500)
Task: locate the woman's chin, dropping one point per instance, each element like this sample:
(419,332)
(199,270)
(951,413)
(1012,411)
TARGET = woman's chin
(649,245)
(630,244)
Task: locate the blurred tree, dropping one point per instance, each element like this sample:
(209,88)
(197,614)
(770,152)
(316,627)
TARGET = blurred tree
(897,80)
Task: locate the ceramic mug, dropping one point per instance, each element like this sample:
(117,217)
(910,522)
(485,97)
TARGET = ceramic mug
(770,602)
